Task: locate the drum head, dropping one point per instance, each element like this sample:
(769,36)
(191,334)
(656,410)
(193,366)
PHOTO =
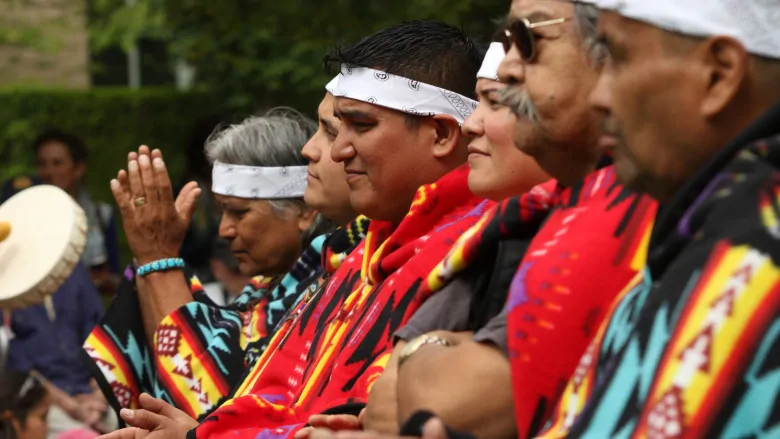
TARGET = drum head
(48,235)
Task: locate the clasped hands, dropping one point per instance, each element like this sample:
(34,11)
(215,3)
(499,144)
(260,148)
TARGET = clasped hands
(155,224)
(351,427)
(156,420)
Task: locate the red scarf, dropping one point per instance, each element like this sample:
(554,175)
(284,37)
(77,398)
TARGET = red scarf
(342,338)
(590,247)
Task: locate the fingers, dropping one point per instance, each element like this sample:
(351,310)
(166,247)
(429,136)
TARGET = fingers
(321,433)
(143,419)
(143,150)
(164,188)
(125,206)
(180,199)
(147,178)
(304,433)
(134,179)
(164,409)
(126,433)
(156,153)
(318,421)
(434,429)
(342,422)
(187,200)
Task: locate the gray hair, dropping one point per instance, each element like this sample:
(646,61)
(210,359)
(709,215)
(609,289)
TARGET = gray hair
(272,140)
(586,18)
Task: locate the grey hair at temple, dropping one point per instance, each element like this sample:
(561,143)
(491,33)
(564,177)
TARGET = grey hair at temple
(586,17)
(272,140)
(518,100)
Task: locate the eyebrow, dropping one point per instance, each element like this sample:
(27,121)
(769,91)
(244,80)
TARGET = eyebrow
(486,91)
(328,124)
(351,114)
(535,17)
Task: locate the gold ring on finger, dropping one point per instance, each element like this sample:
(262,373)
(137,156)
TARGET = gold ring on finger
(139,201)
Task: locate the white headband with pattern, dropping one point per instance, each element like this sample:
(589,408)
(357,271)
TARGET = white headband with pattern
(493,58)
(264,183)
(331,86)
(399,93)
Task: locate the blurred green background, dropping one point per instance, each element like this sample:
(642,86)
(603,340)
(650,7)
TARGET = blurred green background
(121,73)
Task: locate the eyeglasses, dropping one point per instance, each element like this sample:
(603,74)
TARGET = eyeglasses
(519,33)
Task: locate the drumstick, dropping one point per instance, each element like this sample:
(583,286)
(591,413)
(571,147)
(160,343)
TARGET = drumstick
(5,230)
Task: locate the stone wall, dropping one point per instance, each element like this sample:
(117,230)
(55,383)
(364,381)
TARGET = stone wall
(63,58)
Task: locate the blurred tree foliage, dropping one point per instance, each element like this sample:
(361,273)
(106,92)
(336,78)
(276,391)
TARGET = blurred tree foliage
(112,122)
(256,53)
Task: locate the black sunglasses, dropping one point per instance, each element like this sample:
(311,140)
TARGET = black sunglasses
(519,33)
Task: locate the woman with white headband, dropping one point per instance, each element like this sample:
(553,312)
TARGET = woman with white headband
(259,179)
(497,169)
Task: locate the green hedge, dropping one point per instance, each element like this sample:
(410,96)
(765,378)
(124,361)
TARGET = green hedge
(112,121)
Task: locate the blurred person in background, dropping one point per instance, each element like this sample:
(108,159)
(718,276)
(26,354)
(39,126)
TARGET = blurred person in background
(46,338)
(24,407)
(61,160)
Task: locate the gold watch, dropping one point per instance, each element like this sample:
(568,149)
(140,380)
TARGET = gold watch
(418,342)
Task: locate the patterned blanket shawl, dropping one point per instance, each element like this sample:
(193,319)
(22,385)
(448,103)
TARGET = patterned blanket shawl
(337,342)
(203,350)
(691,348)
(586,243)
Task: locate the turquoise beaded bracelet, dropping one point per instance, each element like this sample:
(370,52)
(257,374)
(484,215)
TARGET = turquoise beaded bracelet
(160,265)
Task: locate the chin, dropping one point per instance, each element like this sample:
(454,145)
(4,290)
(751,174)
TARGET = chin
(626,173)
(313,199)
(479,185)
(248,269)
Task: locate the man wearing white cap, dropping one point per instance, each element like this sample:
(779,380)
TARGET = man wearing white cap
(690,100)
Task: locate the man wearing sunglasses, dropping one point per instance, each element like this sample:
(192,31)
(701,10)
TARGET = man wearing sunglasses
(549,83)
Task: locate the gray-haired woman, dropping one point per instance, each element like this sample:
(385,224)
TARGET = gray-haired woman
(259,178)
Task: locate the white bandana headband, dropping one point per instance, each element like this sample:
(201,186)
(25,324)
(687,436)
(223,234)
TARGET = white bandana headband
(402,94)
(753,23)
(493,58)
(331,86)
(258,182)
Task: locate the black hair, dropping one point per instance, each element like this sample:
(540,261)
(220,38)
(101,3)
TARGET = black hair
(76,146)
(19,393)
(427,51)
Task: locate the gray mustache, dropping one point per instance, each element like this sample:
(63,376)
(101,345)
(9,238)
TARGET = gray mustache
(519,103)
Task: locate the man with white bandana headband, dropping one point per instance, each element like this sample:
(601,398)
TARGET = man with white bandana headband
(542,247)
(327,354)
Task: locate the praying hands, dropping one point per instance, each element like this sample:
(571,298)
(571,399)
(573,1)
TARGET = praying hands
(154,223)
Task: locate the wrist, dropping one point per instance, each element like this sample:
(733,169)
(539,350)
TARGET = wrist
(417,343)
(159,266)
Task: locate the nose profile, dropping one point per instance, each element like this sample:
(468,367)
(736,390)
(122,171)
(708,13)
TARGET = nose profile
(342,149)
(473,126)
(310,150)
